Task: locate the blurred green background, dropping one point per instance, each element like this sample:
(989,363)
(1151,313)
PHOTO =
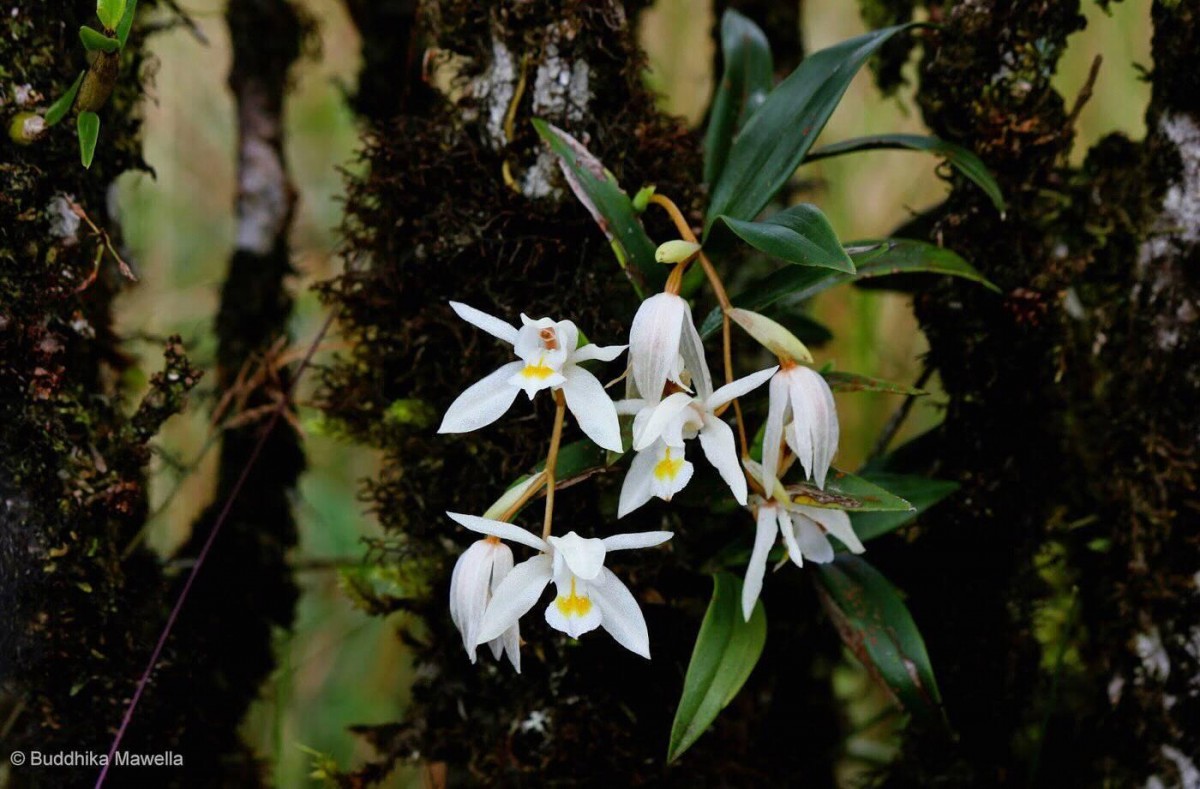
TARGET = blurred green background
(340,667)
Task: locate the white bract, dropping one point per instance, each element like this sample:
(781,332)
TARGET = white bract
(660,429)
(804,531)
(547,359)
(588,594)
(801,412)
(662,341)
(476,575)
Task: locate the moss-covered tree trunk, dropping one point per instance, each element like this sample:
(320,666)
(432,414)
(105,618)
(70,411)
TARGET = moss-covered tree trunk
(1057,591)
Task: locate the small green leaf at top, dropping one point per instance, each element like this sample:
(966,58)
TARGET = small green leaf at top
(799,234)
(95,41)
(921,492)
(59,109)
(875,624)
(126,23)
(727,649)
(845,491)
(775,140)
(745,83)
(966,162)
(88,126)
(110,12)
(602,196)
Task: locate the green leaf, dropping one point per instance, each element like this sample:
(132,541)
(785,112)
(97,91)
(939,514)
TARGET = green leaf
(745,83)
(966,162)
(921,492)
(875,624)
(799,234)
(776,138)
(853,382)
(110,12)
(95,41)
(845,491)
(88,125)
(59,109)
(872,259)
(726,651)
(576,462)
(126,23)
(609,206)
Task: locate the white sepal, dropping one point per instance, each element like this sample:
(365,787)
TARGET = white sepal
(484,402)
(592,407)
(500,329)
(505,531)
(517,593)
(620,614)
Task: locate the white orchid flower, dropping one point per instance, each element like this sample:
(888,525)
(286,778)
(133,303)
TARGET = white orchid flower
(804,530)
(547,359)
(662,333)
(589,594)
(477,574)
(659,433)
(801,412)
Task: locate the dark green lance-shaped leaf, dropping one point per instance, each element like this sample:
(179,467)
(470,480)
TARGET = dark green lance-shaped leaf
(95,41)
(853,382)
(776,138)
(876,625)
(845,491)
(126,23)
(110,12)
(88,125)
(799,234)
(726,651)
(921,492)
(59,109)
(957,156)
(744,86)
(609,206)
(872,259)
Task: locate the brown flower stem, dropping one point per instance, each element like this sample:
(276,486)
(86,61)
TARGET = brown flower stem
(552,459)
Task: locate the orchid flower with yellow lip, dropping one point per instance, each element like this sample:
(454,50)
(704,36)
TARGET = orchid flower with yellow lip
(547,359)
(803,528)
(588,595)
(660,430)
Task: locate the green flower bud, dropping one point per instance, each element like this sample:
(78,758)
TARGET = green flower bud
(676,251)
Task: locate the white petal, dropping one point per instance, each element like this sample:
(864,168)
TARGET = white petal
(621,615)
(820,420)
(505,531)
(798,433)
(636,489)
(573,610)
(568,336)
(739,387)
(813,542)
(500,329)
(764,538)
(483,403)
(517,593)
(773,434)
(836,522)
(511,639)
(652,427)
(671,472)
(788,529)
(585,556)
(691,347)
(641,539)
(469,591)
(603,353)
(592,407)
(632,406)
(716,439)
(654,342)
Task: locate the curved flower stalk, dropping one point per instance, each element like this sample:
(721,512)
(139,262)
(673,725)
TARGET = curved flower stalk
(547,358)
(477,574)
(588,595)
(659,433)
(803,529)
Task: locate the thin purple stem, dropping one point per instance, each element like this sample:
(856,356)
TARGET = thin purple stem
(276,413)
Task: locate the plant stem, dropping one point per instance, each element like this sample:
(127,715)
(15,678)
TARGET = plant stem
(552,459)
